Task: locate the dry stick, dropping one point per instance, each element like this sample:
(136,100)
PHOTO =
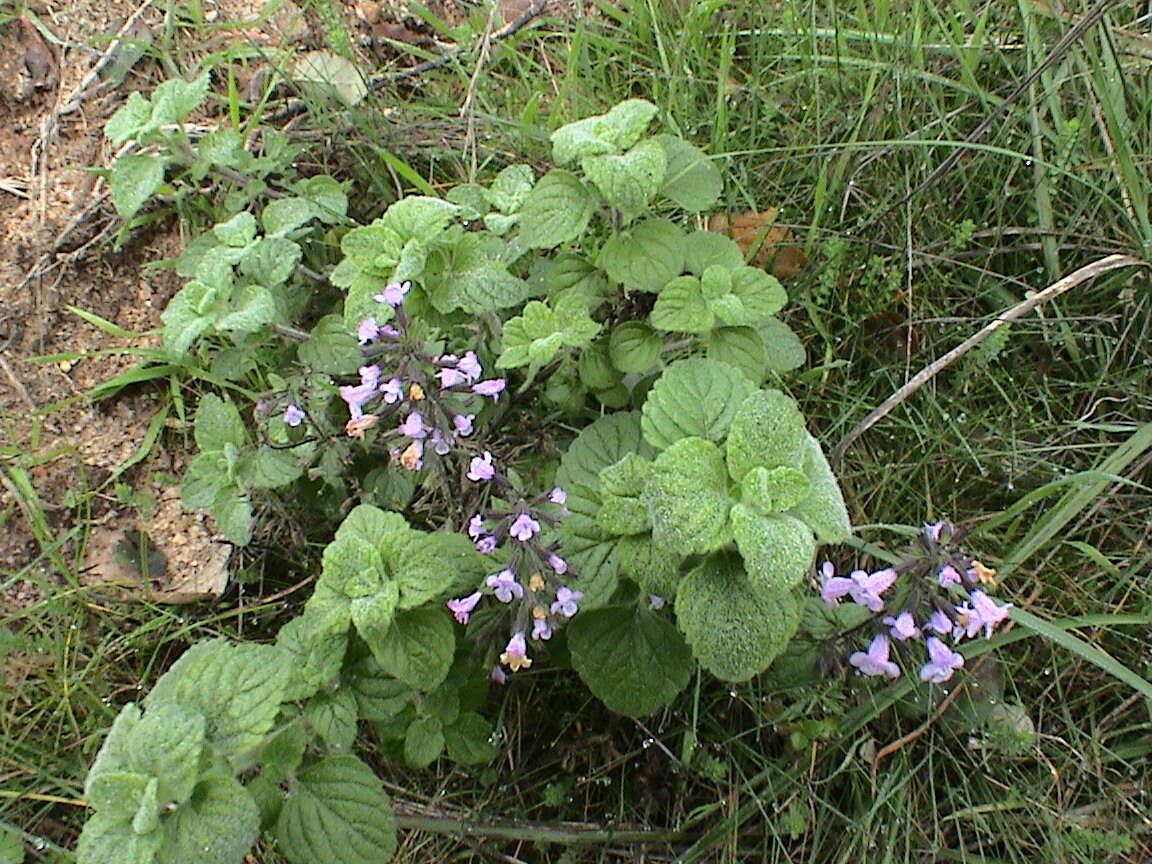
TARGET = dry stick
(1088,271)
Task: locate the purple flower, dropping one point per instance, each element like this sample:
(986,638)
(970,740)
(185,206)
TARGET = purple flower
(413,456)
(389,331)
(475,526)
(470,366)
(875,661)
(983,613)
(558,496)
(355,397)
(541,629)
(485,545)
(933,529)
(393,293)
(942,662)
(439,443)
(524,528)
(293,416)
(497,675)
(369,375)
(462,607)
(833,587)
(480,468)
(947,576)
(413,426)
(558,564)
(903,626)
(463,424)
(565,603)
(867,587)
(515,655)
(505,586)
(393,390)
(493,387)
(655,602)
(939,622)
(367,330)
(450,378)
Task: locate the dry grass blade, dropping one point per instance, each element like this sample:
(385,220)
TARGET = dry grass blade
(1088,271)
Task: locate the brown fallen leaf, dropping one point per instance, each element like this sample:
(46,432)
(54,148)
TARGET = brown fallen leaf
(763,243)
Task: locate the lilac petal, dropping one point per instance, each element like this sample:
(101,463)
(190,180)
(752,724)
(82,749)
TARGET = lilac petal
(470,366)
(293,416)
(367,331)
(524,528)
(463,606)
(480,468)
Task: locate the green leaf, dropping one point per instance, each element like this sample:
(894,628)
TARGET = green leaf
(238,231)
(176,98)
(218,826)
(534,336)
(618,129)
(184,323)
(681,307)
(203,480)
(777,550)
(423,742)
(327,196)
(418,647)
(373,248)
(628,476)
(621,485)
(768,430)
(472,199)
(419,217)
(315,653)
(556,210)
(271,260)
(598,446)
(773,490)
(286,214)
(331,75)
(633,660)
(129,120)
(761,295)
(338,813)
(630,181)
(823,509)
(704,249)
(691,180)
(237,688)
(595,367)
(783,349)
(510,188)
(734,628)
(687,497)
(133,180)
(469,740)
(644,257)
(251,308)
(656,569)
(741,347)
(106,840)
(332,716)
(379,697)
(634,347)
(218,423)
(283,752)
(693,397)
(233,515)
(331,348)
(267,468)
(474,279)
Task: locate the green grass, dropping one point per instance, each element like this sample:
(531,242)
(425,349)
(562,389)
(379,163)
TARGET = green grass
(833,112)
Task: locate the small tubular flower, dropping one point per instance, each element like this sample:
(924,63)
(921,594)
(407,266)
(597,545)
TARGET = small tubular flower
(515,655)
(476,526)
(867,587)
(462,607)
(393,391)
(493,387)
(505,586)
(367,330)
(463,424)
(565,603)
(902,627)
(948,575)
(293,416)
(984,613)
(942,662)
(558,496)
(524,528)
(833,587)
(875,660)
(469,366)
(413,426)
(393,293)
(480,468)
(558,564)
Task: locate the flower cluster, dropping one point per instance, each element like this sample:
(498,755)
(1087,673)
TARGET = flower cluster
(941,602)
(433,398)
(529,581)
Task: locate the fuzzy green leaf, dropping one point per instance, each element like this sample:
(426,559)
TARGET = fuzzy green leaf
(777,550)
(108,840)
(271,261)
(332,716)
(337,813)
(510,188)
(331,348)
(418,647)
(251,308)
(267,468)
(419,217)
(423,742)
(218,423)
(654,568)
(184,322)
(768,430)
(217,826)
(618,129)
(645,256)
(473,278)
(534,336)
(286,214)
(633,660)
(691,180)
(374,248)
(238,231)
(823,509)
(316,653)
(741,347)
(687,497)
(734,628)
(176,98)
(681,307)
(468,741)
(783,349)
(773,490)
(598,446)
(693,397)
(704,249)
(379,697)
(762,295)
(630,181)
(556,210)
(596,369)
(237,688)
(129,120)
(233,515)
(133,180)
(634,347)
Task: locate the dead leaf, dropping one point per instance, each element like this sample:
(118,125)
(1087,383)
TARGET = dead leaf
(763,243)
(331,73)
